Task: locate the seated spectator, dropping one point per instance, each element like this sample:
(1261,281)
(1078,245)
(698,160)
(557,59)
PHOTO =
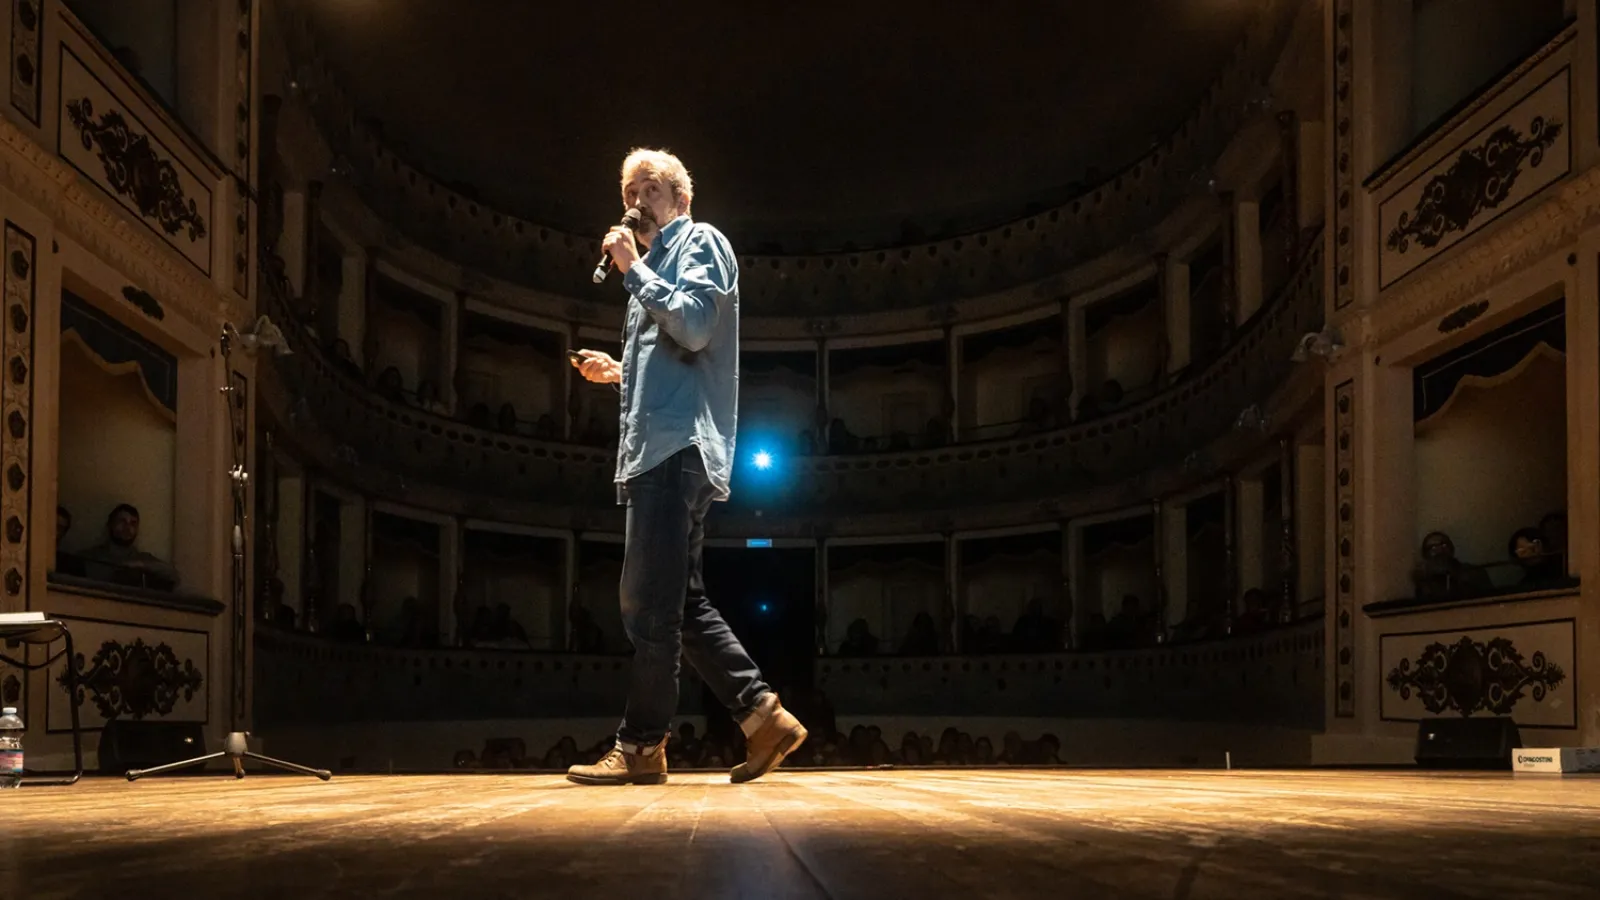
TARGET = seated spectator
(405,631)
(1441,576)
(428,398)
(1036,632)
(344,360)
(478,415)
(858,640)
(1197,624)
(587,637)
(1127,629)
(923,637)
(545,428)
(1539,566)
(391,386)
(1253,617)
(1094,635)
(1039,417)
(346,626)
(507,418)
(991,639)
(840,440)
(66,563)
(1554,529)
(119,561)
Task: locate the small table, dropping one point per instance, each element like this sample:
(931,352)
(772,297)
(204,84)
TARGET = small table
(45,632)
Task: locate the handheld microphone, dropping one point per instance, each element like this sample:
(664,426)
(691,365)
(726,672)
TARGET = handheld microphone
(630,221)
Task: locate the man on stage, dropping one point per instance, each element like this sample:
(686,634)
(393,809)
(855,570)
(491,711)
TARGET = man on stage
(679,381)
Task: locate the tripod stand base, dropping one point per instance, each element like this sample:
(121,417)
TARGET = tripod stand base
(234,748)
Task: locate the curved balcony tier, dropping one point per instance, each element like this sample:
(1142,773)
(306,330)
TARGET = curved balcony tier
(1267,678)
(1044,242)
(1178,435)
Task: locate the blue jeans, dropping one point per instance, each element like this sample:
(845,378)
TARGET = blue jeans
(665,610)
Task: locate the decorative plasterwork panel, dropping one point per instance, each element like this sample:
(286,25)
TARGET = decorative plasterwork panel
(1344,509)
(84,214)
(105,140)
(1479,180)
(132,672)
(16,411)
(242,162)
(1526,671)
(27,47)
(1343,154)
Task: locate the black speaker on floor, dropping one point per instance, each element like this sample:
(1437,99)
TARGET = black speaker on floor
(128,744)
(1471,743)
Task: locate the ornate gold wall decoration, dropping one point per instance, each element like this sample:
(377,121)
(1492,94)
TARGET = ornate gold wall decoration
(27,43)
(16,401)
(1343,154)
(1344,631)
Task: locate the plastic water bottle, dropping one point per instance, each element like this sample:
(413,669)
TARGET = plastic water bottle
(10,748)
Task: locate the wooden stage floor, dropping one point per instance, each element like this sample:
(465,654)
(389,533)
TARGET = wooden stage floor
(908,834)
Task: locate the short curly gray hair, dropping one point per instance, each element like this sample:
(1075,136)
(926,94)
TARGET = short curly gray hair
(663,167)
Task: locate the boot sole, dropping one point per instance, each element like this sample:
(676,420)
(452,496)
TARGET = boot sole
(612,782)
(742,773)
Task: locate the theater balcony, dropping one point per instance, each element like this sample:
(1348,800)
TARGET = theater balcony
(1058,475)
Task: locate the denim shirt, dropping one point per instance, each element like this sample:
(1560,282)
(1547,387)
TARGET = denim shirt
(680,354)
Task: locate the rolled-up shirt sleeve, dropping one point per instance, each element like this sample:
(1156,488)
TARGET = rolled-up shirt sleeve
(689,309)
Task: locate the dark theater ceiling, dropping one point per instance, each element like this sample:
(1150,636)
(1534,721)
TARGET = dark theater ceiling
(812,124)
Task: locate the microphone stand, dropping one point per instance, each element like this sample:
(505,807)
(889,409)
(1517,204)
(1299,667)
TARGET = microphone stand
(235,746)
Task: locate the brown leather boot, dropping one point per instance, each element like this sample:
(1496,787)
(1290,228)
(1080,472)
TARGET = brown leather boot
(771,733)
(621,767)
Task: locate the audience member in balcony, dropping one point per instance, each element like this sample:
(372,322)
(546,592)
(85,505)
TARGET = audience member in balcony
(346,626)
(505,630)
(545,428)
(1253,615)
(1554,529)
(1093,634)
(858,640)
(992,636)
(66,563)
(119,561)
(587,636)
(508,418)
(923,637)
(1199,623)
(283,615)
(983,752)
(1011,753)
(403,629)
(345,361)
(428,398)
(936,433)
(1441,576)
(840,440)
(1036,632)
(1540,567)
(1039,417)
(478,416)
(1129,628)
(391,386)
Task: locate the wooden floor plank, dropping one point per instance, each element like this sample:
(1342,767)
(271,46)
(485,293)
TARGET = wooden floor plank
(812,834)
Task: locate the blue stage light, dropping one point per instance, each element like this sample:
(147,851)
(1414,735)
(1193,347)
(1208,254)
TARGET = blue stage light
(762,460)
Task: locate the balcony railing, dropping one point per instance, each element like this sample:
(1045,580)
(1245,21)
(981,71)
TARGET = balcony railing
(1162,429)
(469,233)
(1271,677)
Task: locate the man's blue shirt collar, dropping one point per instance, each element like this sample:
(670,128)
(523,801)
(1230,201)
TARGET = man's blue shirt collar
(669,233)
